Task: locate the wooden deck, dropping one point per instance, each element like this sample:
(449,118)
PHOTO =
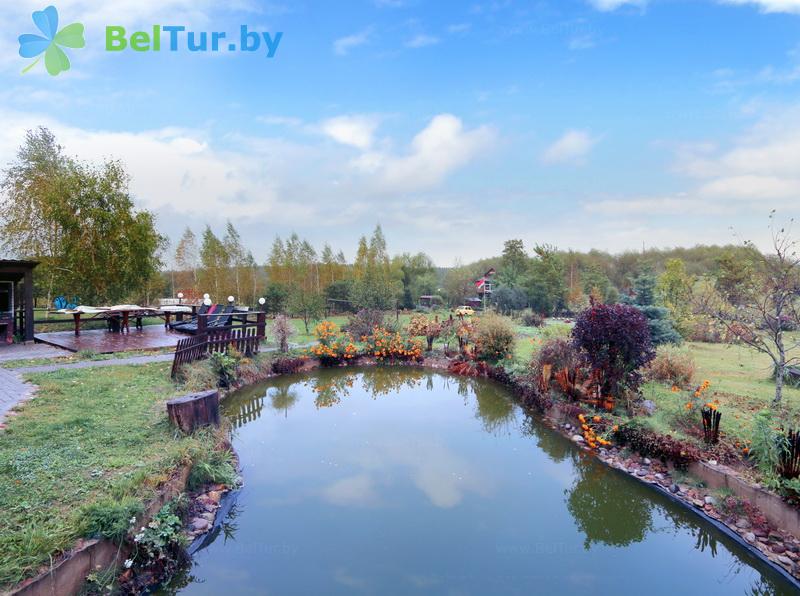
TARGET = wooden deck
(151,337)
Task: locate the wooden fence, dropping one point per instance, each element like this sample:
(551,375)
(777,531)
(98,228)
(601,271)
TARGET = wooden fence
(246,339)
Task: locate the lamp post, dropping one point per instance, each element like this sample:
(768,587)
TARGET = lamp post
(261,321)
(180,297)
(231,299)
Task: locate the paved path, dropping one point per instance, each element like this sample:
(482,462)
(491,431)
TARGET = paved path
(30,351)
(13,390)
(43,368)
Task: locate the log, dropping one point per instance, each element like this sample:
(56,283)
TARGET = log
(194,410)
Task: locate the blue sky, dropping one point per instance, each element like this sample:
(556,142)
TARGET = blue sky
(456,125)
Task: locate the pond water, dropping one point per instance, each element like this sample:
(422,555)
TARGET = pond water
(405,481)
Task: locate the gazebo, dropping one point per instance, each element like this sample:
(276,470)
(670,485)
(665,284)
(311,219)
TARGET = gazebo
(16,300)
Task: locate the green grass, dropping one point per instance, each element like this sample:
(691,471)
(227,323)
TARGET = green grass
(740,380)
(90,436)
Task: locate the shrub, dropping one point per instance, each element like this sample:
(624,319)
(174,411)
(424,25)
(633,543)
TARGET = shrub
(494,338)
(287,366)
(386,345)
(361,324)
(557,353)
(225,367)
(110,518)
(649,443)
(532,319)
(555,330)
(430,329)
(767,445)
(671,365)
(615,342)
(333,345)
(212,467)
(284,330)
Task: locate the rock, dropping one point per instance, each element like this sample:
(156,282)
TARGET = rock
(649,406)
(215,496)
(712,462)
(760,532)
(646,461)
(674,489)
(198,524)
(743,523)
(792,547)
(640,473)
(786,561)
(577,438)
(778,549)
(750,537)
(698,503)
(709,500)
(659,476)
(208,516)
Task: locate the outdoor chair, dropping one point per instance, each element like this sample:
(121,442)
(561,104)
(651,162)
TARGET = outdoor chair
(201,311)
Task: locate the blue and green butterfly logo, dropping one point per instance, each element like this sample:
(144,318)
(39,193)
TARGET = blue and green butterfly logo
(33,46)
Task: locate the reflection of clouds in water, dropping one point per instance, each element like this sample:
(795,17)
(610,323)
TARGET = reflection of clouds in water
(441,475)
(344,577)
(353,490)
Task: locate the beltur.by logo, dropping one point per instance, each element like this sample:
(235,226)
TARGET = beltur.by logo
(50,42)
(178,38)
(171,38)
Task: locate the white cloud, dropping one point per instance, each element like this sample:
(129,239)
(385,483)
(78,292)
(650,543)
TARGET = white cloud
(456,28)
(421,41)
(439,149)
(343,45)
(355,131)
(609,5)
(791,6)
(572,147)
(755,173)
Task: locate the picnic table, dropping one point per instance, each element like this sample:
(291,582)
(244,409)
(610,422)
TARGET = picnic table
(121,313)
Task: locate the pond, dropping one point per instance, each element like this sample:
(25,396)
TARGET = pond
(408,481)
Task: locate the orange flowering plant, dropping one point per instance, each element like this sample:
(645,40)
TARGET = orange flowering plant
(387,345)
(333,345)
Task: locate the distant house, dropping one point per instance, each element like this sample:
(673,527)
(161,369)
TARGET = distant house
(432,301)
(16,300)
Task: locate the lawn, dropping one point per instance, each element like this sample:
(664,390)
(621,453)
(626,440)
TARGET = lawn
(90,436)
(740,381)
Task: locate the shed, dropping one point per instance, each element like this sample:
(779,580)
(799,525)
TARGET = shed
(16,299)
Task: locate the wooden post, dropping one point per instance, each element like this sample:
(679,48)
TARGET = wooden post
(194,410)
(28,304)
(201,323)
(77,318)
(261,325)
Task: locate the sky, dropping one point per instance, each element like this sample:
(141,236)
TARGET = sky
(456,125)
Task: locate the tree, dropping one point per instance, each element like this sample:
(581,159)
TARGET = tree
(614,340)
(214,265)
(79,221)
(187,261)
(662,328)
(418,276)
(514,264)
(294,265)
(508,299)
(237,261)
(735,275)
(674,288)
(760,315)
(546,286)
(374,286)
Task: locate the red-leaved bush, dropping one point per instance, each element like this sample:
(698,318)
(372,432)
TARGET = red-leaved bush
(614,340)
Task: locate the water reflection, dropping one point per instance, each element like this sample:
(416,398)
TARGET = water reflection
(604,513)
(401,480)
